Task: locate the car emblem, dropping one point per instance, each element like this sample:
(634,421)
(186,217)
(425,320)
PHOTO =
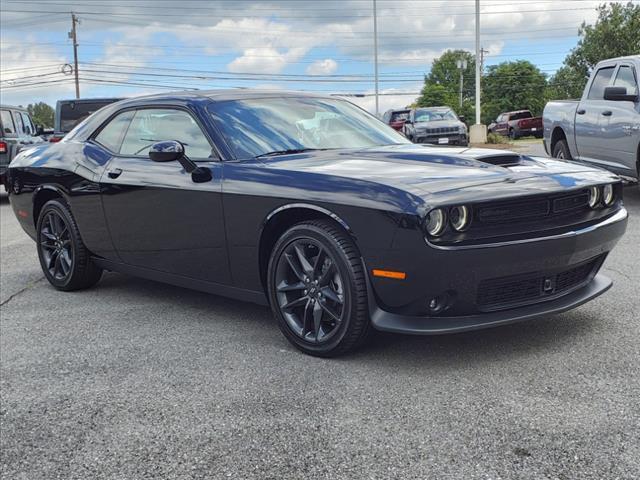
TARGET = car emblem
(548,285)
(16,186)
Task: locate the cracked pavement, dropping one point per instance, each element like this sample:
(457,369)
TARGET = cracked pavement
(135,379)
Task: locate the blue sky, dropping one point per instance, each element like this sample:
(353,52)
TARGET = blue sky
(131,47)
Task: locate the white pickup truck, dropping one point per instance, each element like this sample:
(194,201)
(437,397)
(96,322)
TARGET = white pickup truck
(602,128)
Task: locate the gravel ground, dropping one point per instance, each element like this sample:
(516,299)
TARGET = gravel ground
(135,379)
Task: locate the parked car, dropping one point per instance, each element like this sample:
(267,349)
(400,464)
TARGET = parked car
(517,124)
(316,208)
(17,131)
(396,118)
(438,125)
(603,127)
(70,113)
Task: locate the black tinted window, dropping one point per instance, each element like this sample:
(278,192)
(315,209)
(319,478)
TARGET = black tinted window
(626,78)
(17,118)
(72,113)
(157,125)
(112,134)
(601,80)
(520,115)
(7,122)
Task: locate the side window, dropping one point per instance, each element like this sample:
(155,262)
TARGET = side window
(17,118)
(7,123)
(112,134)
(626,78)
(600,81)
(28,126)
(155,125)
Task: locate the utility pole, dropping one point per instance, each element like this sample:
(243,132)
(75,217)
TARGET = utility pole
(375,53)
(74,37)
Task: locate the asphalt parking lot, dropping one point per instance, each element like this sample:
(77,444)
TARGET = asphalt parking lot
(135,379)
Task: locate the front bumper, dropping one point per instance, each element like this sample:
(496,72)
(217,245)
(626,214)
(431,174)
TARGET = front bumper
(390,322)
(459,275)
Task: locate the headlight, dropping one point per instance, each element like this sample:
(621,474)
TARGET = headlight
(594,196)
(460,218)
(435,222)
(607,195)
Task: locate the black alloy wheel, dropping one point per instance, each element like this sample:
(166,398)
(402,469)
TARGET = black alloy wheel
(310,290)
(65,261)
(317,289)
(56,246)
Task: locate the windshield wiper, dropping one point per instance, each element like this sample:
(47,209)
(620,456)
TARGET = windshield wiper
(289,151)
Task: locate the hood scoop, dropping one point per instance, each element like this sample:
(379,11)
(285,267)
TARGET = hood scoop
(506,160)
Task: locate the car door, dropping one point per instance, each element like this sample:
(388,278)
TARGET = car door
(158,217)
(620,130)
(590,117)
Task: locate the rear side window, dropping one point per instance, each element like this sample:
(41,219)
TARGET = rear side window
(27,124)
(399,116)
(600,81)
(112,134)
(17,118)
(7,123)
(157,125)
(626,78)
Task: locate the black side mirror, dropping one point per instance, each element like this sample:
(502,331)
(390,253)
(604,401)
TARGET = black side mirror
(462,118)
(619,94)
(39,130)
(171,151)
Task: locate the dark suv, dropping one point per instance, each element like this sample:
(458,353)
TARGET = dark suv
(70,113)
(17,131)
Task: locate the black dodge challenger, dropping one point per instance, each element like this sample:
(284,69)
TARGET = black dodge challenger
(318,209)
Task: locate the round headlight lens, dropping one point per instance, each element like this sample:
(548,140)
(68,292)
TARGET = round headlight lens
(460,217)
(607,195)
(435,222)
(594,196)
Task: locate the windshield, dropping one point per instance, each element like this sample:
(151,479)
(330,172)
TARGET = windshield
(399,116)
(256,127)
(427,115)
(72,113)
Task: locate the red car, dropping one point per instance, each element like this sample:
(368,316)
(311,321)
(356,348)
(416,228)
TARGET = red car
(517,124)
(396,118)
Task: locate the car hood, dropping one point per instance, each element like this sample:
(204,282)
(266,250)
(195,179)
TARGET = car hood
(443,174)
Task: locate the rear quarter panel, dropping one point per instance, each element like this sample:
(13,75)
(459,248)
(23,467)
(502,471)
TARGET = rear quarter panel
(560,114)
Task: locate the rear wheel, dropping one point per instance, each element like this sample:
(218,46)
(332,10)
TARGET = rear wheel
(561,150)
(64,259)
(317,289)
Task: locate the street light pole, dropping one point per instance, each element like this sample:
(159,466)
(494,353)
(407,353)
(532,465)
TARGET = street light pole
(375,53)
(462,66)
(478,62)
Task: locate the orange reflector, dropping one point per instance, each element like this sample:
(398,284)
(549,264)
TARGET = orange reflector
(389,274)
(23,214)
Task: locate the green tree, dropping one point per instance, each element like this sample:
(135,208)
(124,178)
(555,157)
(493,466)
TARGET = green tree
(42,114)
(565,83)
(616,33)
(442,85)
(512,86)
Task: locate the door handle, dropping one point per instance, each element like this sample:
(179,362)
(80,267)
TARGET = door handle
(607,113)
(582,111)
(115,173)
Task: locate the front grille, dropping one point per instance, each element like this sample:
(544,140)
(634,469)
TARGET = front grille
(505,292)
(440,130)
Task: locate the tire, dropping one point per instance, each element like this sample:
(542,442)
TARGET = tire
(320,305)
(65,261)
(561,150)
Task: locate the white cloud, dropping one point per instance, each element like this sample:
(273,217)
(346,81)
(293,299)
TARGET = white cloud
(323,67)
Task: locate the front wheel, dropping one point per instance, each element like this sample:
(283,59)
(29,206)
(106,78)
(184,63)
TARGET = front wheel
(317,289)
(65,261)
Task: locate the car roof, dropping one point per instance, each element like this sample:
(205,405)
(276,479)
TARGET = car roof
(441,107)
(13,107)
(90,100)
(224,95)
